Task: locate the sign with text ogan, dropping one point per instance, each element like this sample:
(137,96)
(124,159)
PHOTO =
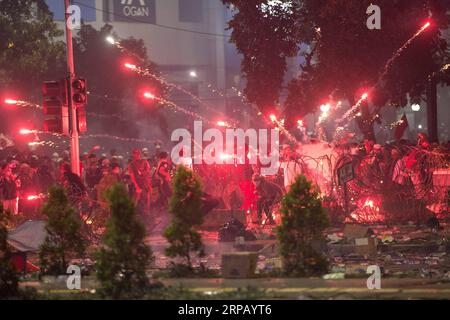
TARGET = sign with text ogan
(135,11)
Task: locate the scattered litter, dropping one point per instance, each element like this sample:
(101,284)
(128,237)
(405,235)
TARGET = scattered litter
(334,276)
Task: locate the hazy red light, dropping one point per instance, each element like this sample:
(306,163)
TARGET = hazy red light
(426,25)
(31,198)
(221,123)
(273,117)
(365,96)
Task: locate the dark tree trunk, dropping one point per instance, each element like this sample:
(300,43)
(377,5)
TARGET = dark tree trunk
(432,111)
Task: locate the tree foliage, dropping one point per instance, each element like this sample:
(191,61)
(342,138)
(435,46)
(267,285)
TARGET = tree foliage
(31,51)
(30,48)
(185,205)
(124,257)
(9,280)
(266,34)
(344,56)
(64,239)
(302,224)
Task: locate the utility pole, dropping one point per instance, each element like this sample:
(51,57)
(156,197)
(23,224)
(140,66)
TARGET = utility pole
(74,142)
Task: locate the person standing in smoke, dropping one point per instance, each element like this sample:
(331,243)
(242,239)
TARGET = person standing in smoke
(140,173)
(162,172)
(76,190)
(244,173)
(268,194)
(291,166)
(9,186)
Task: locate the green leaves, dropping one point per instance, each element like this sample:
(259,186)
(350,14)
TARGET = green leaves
(185,205)
(124,257)
(302,224)
(64,239)
(266,36)
(343,55)
(9,280)
(30,48)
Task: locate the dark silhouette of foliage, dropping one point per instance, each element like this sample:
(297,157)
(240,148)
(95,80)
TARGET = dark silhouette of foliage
(64,239)
(124,257)
(302,224)
(185,205)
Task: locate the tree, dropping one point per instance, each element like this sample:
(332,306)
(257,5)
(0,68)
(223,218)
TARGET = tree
(31,51)
(64,238)
(124,257)
(266,34)
(302,224)
(9,280)
(344,57)
(185,207)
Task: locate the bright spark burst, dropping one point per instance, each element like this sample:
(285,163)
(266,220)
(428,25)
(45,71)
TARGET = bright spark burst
(26,131)
(130,66)
(111,40)
(11,101)
(149,95)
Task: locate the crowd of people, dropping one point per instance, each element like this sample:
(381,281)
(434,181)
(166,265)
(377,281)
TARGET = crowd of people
(25,177)
(399,174)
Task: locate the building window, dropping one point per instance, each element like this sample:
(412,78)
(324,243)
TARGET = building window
(190,10)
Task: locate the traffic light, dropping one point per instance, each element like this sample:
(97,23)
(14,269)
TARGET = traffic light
(55,105)
(79,92)
(81,120)
(79,100)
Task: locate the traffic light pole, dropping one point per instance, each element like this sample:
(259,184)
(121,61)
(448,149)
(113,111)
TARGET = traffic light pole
(74,141)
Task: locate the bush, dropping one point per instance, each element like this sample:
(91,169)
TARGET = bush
(302,224)
(64,239)
(9,280)
(185,207)
(124,257)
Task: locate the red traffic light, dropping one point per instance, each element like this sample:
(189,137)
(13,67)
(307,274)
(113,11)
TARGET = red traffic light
(79,92)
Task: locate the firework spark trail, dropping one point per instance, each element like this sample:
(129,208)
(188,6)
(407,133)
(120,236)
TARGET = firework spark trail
(107,136)
(280,126)
(185,111)
(399,52)
(163,101)
(22,103)
(386,68)
(353,109)
(444,68)
(146,72)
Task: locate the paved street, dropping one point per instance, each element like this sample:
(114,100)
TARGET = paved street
(317,288)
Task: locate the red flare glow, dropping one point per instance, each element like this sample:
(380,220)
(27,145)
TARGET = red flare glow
(130,65)
(25,131)
(149,95)
(10,101)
